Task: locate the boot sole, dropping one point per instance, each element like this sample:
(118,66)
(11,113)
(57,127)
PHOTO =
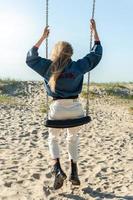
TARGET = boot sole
(74,182)
(59,180)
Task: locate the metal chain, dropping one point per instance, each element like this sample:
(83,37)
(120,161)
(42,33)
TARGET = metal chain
(88,80)
(47,20)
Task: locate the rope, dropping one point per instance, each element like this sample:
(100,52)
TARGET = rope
(88,80)
(47,22)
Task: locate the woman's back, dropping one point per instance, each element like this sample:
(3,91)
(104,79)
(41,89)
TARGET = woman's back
(70,80)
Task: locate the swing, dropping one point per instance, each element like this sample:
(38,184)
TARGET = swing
(68,123)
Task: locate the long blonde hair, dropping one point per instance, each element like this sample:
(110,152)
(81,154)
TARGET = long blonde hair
(60,56)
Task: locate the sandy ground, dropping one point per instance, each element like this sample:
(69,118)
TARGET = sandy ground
(106,153)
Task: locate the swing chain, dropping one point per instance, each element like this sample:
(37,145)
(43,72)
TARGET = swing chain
(88,79)
(47,20)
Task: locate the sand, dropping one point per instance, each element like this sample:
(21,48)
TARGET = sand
(105,152)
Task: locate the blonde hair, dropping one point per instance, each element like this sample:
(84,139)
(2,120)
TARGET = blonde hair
(60,56)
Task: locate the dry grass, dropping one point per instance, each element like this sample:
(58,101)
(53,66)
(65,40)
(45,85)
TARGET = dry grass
(131,110)
(111,89)
(92,95)
(8,81)
(43,108)
(7,100)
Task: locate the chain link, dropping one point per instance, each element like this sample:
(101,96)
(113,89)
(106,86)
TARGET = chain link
(88,78)
(47,22)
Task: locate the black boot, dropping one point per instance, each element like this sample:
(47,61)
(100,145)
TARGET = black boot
(60,176)
(74,174)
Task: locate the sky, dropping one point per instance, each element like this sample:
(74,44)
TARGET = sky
(22,23)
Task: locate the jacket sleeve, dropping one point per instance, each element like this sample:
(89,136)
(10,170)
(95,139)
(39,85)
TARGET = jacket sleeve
(91,60)
(38,64)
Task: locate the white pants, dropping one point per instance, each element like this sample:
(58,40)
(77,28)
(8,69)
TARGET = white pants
(65,109)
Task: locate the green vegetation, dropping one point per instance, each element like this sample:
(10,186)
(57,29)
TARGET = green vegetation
(5,83)
(92,95)
(7,100)
(120,90)
(131,110)
(12,87)
(120,93)
(111,84)
(111,92)
(43,108)
(9,88)
(8,81)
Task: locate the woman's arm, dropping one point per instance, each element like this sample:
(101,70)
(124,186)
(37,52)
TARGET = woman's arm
(43,37)
(34,61)
(91,60)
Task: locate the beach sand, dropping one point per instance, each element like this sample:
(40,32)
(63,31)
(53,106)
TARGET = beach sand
(105,152)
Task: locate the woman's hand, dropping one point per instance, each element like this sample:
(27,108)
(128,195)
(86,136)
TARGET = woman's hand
(94,29)
(92,25)
(43,37)
(46,32)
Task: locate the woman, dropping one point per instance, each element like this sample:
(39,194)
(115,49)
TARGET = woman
(63,81)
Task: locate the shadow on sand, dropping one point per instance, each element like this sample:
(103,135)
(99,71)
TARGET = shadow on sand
(95,194)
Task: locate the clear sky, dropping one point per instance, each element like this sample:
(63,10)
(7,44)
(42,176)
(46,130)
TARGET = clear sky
(22,23)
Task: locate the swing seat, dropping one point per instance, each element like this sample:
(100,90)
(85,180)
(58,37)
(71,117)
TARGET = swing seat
(67,123)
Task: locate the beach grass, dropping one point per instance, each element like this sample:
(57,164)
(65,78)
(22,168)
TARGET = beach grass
(9,81)
(110,89)
(92,95)
(43,108)
(7,99)
(131,110)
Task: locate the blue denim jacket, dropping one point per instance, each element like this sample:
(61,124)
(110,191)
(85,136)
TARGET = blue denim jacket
(71,79)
